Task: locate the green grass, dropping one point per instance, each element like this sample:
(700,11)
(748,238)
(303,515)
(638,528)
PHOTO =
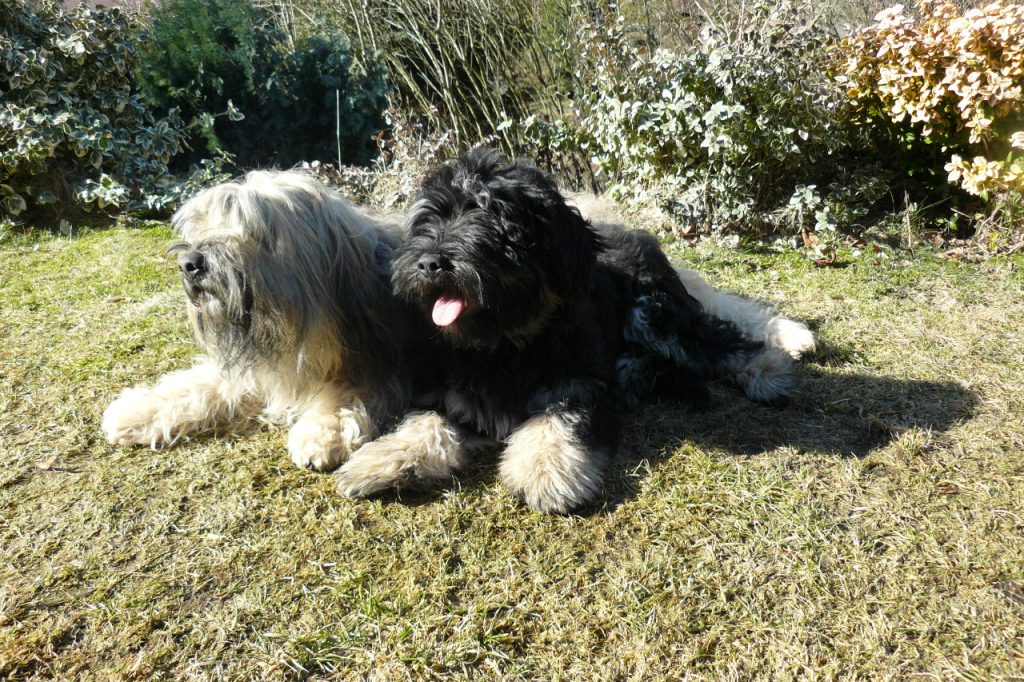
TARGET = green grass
(873,529)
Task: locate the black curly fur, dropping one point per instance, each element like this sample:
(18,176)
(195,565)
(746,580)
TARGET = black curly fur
(558,317)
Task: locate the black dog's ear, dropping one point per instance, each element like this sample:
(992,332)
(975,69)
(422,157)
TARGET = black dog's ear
(572,251)
(564,242)
(568,243)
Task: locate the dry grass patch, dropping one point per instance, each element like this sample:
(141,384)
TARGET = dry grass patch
(874,529)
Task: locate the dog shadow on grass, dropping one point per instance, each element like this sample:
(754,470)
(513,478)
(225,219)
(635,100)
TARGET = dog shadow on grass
(833,413)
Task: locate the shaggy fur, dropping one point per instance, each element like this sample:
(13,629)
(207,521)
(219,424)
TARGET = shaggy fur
(755,320)
(289,297)
(764,372)
(543,327)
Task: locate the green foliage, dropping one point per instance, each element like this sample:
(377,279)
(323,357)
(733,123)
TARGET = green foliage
(208,57)
(462,65)
(198,56)
(72,131)
(720,136)
(295,118)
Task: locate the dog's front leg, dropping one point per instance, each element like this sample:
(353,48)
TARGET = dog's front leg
(182,403)
(555,461)
(424,447)
(331,426)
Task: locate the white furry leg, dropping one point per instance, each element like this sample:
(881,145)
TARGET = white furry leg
(182,403)
(757,321)
(546,466)
(791,336)
(424,446)
(331,426)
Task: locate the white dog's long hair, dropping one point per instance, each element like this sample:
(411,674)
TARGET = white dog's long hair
(289,298)
(298,283)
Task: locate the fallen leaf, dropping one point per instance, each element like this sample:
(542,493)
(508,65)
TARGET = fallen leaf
(810,239)
(685,230)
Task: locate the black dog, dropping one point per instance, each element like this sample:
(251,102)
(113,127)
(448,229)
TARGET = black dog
(543,330)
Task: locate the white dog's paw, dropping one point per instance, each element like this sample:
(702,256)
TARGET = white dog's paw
(791,336)
(136,417)
(320,443)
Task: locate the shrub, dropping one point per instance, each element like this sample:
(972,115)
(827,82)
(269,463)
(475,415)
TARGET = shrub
(722,136)
(72,132)
(196,57)
(950,86)
(310,89)
(207,58)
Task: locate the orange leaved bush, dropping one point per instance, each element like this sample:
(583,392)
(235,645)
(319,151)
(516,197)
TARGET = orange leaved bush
(952,79)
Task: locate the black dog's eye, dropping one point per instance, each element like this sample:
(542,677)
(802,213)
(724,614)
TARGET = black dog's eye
(512,253)
(428,231)
(516,237)
(516,245)
(422,230)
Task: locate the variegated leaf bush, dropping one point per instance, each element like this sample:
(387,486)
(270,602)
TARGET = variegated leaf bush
(73,133)
(740,133)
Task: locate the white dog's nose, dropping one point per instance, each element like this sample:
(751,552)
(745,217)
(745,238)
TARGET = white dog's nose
(192,264)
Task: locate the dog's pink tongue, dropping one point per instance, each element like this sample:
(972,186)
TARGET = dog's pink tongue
(447,310)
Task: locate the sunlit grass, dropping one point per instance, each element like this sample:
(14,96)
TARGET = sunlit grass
(873,529)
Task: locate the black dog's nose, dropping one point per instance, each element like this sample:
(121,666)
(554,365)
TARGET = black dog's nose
(432,264)
(192,264)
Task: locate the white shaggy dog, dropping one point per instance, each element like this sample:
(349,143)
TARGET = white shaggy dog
(289,298)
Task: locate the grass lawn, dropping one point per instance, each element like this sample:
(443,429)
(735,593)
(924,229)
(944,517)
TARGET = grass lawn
(873,529)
